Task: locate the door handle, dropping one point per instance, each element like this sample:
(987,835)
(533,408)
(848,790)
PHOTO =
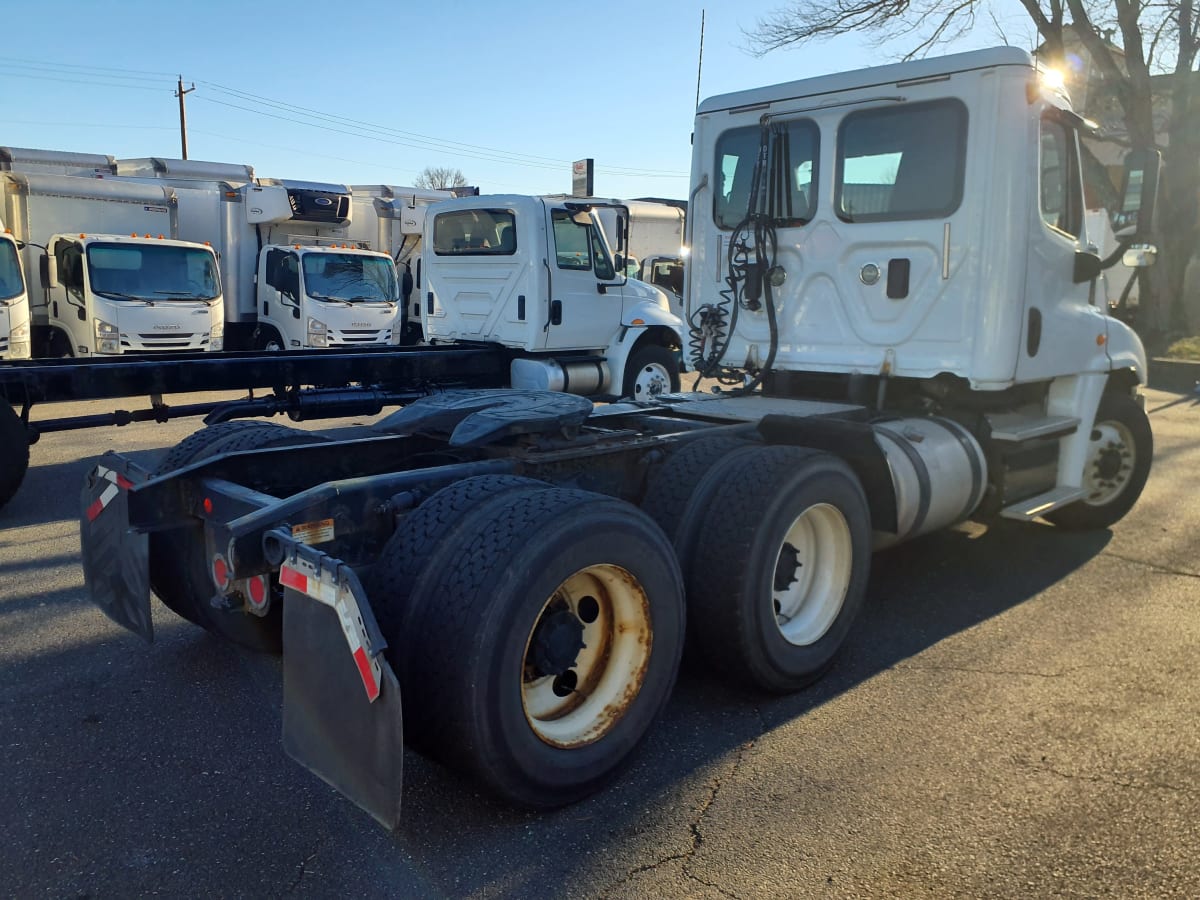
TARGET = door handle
(555,312)
(897,278)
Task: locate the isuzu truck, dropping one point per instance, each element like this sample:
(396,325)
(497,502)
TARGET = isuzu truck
(112,276)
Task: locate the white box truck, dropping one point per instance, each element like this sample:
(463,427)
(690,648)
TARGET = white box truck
(114,278)
(294,278)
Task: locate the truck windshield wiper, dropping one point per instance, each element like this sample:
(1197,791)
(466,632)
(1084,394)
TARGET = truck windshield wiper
(329,299)
(185,295)
(122,296)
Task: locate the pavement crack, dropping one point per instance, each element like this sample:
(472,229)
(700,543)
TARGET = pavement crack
(1108,780)
(302,869)
(1153,566)
(909,667)
(696,825)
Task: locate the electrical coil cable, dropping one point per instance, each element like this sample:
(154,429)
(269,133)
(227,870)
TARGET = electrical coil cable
(750,263)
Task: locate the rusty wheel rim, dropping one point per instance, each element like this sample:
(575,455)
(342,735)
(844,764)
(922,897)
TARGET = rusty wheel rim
(586,656)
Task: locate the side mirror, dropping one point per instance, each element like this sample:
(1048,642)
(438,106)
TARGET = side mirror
(296,311)
(1140,256)
(619,261)
(1087,267)
(49,269)
(1140,189)
(622,224)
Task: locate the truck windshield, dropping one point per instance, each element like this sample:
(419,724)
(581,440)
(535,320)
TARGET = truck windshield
(155,272)
(350,277)
(11,282)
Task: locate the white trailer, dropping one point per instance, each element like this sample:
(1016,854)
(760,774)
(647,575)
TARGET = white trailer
(295,277)
(536,274)
(114,278)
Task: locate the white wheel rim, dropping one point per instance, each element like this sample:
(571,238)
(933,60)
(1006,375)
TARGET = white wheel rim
(608,671)
(1111,458)
(812,574)
(652,380)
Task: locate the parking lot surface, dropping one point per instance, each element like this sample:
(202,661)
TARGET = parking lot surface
(1014,715)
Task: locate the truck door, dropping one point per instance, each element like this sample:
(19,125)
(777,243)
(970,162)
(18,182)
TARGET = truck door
(1061,322)
(279,300)
(581,317)
(68,303)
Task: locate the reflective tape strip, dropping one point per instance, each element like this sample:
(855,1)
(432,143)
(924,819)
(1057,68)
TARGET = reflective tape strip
(117,482)
(300,575)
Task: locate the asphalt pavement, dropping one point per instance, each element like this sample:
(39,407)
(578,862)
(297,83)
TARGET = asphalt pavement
(1015,715)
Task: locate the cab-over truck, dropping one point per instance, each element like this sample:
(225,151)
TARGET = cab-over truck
(890,277)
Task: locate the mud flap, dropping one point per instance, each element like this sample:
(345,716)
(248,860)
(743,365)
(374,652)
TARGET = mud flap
(116,561)
(341,700)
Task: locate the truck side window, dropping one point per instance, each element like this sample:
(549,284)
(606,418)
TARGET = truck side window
(70,267)
(901,162)
(475,232)
(283,272)
(572,242)
(736,154)
(1059,178)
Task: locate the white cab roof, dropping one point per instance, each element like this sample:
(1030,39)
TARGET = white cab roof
(877,75)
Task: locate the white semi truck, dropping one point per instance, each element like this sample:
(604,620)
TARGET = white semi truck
(536,274)
(890,275)
(293,278)
(113,276)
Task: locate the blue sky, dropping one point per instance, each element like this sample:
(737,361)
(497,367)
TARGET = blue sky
(509,93)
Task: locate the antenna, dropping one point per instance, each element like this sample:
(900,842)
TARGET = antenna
(699,62)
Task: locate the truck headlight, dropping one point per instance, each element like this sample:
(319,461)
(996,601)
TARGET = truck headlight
(318,333)
(108,339)
(218,329)
(19,332)
(216,337)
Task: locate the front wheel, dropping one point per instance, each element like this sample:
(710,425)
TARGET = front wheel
(268,339)
(1118,464)
(652,370)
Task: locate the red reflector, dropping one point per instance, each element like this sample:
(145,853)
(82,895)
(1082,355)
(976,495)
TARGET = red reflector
(293,579)
(258,590)
(95,509)
(208,506)
(364,670)
(123,482)
(220,573)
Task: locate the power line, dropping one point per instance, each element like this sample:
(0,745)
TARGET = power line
(346,126)
(428,141)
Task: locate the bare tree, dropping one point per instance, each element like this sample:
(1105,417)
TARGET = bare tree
(1157,60)
(440,178)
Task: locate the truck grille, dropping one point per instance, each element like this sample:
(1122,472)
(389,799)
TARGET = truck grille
(352,337)
(149,343)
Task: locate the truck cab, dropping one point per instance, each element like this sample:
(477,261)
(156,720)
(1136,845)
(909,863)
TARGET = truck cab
(537,275)
(913,237)
(14,302)
(325,296)
(112,294)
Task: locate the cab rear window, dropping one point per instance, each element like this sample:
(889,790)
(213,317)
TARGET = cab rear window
(475,232)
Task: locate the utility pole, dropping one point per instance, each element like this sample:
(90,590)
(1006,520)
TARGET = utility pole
(180,92)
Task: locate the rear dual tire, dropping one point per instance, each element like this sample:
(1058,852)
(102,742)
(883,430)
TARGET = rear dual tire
(14,444)
(538,640)
(775,545)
